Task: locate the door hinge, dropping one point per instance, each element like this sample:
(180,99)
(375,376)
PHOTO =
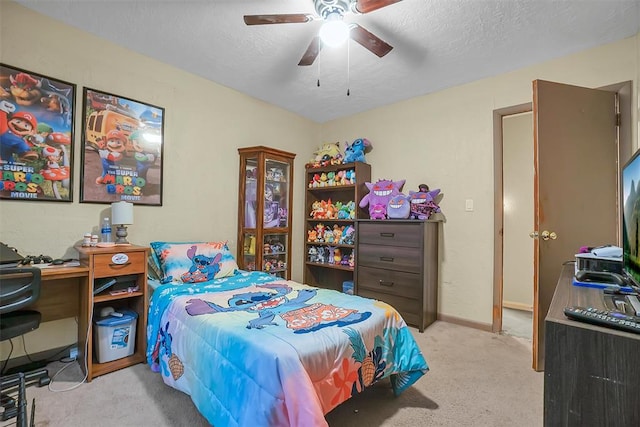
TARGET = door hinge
(618,119)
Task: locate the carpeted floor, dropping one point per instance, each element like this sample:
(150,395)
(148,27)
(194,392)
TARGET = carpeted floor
(476,379)
(517,323)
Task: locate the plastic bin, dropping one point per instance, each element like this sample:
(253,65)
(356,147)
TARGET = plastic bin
(115,337)
(347,287)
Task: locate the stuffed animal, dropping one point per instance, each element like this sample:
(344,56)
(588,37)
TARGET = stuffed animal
(348,235)
(399,207)
(378,211)
(423,203)
(379,195)
(326,153)
(355,151)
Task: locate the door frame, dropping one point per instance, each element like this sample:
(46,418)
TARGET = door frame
(625,150)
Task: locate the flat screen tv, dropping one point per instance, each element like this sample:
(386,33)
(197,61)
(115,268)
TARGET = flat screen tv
(631,217)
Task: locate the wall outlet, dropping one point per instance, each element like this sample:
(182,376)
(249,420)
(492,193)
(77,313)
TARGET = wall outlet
(73,352)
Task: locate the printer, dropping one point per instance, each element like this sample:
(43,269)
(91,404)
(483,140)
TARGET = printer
(602,258)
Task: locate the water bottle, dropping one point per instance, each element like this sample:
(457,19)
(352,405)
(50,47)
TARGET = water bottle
(105,230)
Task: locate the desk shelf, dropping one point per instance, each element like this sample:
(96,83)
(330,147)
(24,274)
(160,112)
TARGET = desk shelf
(108,297)
(112,262)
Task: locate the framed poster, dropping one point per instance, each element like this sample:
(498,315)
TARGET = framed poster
(36,136)
(121,150)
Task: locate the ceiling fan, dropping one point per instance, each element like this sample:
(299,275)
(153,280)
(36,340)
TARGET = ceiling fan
(332,11)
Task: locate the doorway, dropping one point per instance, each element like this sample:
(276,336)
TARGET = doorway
(623,91)
(517,208)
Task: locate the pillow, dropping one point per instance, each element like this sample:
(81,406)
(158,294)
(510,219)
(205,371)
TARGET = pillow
(154,272)
(191,262)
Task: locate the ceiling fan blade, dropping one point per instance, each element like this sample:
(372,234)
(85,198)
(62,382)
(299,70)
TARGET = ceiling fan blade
(294,18)
(312,52)
(369,41)
(366,6)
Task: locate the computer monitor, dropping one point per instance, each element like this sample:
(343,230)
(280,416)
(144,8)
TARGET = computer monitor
(631,218)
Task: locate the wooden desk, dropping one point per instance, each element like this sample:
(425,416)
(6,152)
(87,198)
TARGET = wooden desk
(59,285)
(68,292)
(592,373)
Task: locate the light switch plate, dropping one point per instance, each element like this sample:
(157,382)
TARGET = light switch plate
(468,205)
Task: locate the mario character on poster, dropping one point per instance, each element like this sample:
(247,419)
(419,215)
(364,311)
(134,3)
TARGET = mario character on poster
(122,155)
(36,136)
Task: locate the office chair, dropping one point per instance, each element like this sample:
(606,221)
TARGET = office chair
(20,289)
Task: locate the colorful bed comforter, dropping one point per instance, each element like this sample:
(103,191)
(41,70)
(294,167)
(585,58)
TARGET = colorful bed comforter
(255,350)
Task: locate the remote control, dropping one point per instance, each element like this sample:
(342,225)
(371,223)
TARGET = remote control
(635,303)
(611,319)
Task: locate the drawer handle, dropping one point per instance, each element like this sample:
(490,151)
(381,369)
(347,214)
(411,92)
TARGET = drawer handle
(383,283)
(387,234)
(119,265)
(386,258)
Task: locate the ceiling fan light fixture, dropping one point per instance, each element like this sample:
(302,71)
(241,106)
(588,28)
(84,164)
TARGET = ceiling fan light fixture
(334,32)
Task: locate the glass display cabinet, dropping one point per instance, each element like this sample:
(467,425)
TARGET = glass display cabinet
(264,210)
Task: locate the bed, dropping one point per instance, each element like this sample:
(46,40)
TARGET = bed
(252,349)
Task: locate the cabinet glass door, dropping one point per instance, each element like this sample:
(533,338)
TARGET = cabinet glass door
(274,254)
(250,192)
(276,194)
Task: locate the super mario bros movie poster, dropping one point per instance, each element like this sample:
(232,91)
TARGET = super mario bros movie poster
(36,136)
(121,150)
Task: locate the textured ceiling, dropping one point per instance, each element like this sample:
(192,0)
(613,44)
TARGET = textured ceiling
(437,44)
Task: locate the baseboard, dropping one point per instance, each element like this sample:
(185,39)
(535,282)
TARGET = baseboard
(465,322)
(517,306)
(48,355)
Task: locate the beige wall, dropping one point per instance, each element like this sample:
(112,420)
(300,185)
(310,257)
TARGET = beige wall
(443,139)
(205,123)
(446,140)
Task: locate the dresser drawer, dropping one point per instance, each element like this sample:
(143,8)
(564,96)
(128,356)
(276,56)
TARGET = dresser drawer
(387,233)
(409,309)
(390,257)
(106,266)
(408,285)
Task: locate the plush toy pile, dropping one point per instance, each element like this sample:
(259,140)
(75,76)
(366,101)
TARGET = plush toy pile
(379,195)
(386,201)
(331,154)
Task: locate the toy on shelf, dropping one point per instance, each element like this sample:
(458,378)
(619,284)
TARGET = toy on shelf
(379,195)
(399,207)
(320,232)
(325,209)
(356,150)
(424,203)
(327,154)
(378,211)
(348,235)
(249,246)
(345,259)
(312,253)
(332,178)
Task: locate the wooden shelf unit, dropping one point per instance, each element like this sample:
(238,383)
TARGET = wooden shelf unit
(113,262)
(327,275)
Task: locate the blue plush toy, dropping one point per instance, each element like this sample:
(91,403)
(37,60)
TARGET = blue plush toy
(355,151)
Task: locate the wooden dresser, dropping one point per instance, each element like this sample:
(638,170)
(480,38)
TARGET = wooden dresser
(397,262)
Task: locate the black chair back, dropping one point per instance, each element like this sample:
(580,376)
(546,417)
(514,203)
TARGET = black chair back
(19,288)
